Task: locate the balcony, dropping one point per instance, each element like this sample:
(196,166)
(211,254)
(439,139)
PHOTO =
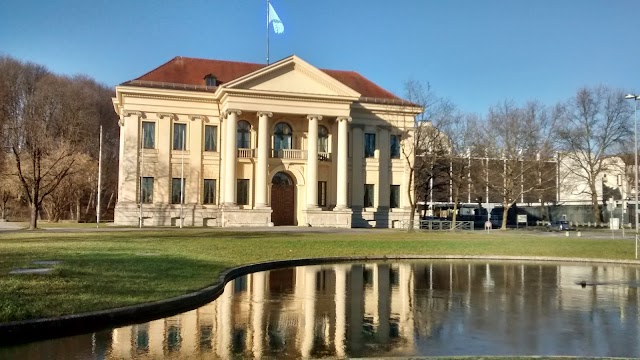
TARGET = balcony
(245,153)
(290,154)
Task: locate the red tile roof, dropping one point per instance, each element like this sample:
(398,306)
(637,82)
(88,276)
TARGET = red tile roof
(183,72)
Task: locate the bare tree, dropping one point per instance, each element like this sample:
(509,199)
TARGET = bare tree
(428,143)
(461,132)
(519,139)
(43,127)
(595,123)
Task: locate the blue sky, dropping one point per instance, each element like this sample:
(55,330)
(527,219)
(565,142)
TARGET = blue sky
(475,52)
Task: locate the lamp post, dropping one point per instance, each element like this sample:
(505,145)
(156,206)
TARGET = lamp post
(635,151)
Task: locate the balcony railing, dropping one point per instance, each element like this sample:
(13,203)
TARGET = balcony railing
(324,156)
(289,154)
(245,153)
(292,154)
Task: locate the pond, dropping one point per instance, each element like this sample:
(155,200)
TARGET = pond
(412,308)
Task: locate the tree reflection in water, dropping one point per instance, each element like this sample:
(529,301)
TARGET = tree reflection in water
(388,309)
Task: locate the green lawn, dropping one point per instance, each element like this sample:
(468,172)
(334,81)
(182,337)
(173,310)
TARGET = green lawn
(102,270)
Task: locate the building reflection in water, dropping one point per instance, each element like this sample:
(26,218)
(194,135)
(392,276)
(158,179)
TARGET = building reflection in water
(388,309)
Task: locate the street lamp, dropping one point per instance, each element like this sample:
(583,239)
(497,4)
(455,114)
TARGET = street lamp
(635,152)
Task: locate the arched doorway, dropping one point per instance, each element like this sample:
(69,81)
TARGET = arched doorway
(283,191)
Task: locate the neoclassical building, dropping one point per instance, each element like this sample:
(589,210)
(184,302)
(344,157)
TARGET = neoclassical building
(222,143)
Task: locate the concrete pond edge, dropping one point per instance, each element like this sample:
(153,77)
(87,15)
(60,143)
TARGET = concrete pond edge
(18,332)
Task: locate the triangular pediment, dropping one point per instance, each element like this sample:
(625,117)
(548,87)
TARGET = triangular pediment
(293,76)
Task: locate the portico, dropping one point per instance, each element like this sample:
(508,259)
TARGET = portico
(282,130)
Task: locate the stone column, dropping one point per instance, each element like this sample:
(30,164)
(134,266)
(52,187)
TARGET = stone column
(312,162)
(230,157)
(263,159)
(343,131)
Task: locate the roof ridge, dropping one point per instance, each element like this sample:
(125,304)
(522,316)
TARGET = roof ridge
(228,61)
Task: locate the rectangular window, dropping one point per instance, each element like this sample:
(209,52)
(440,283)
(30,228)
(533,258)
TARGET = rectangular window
(322,193)
(368,195)
(369,145)
(242,192)
(209,193)
(394,196)
(179,136)
(210,138)
(148,135)
(395,147)
(176,193)
(147,190)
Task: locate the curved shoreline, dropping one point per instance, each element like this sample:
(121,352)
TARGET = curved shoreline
(18,332)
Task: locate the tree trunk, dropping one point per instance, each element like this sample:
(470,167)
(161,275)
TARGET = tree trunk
(410,228)
(33,223)
(77,210)
(595,207)
(505,213)
(454,218)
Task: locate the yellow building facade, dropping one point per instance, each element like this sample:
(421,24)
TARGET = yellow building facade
(221,143)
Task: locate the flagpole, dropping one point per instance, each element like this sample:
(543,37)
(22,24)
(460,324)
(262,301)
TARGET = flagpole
(99,180)
(141,170)
(267,32)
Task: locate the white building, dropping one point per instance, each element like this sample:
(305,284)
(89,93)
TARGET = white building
(222,143)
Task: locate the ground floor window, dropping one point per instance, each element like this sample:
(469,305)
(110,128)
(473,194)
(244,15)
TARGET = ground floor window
(322,193)
(394,196)
(177,190)
(242,192)
(147,190)
(209,192)
(368,195)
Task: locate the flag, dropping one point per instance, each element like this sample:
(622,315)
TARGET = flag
(274,20)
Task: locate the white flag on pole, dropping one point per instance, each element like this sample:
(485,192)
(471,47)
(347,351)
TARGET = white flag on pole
(274,20)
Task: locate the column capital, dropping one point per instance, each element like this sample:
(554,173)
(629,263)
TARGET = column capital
(313,116)
(263,113)
(344,118)
(231,111)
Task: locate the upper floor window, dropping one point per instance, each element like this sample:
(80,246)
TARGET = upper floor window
(210,80)
(323,139)
(369,145)
(179,136)
(243,135)
(148,135)
(395,147)
(282,137)
(210,138)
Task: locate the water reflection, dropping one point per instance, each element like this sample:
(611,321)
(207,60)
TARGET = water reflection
(388,309)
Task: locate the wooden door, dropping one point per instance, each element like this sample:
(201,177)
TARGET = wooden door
(282,200)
